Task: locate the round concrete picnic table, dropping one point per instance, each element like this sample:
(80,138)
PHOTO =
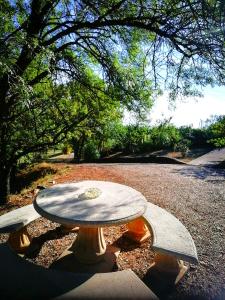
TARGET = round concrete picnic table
(90,205)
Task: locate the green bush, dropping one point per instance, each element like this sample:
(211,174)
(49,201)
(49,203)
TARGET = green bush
(164,136)
(217,132)
(197,136)
(183,146)
(91,152)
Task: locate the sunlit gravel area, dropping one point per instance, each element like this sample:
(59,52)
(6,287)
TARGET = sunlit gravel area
(196,196)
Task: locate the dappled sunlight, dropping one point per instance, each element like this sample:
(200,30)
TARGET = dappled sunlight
(116,204)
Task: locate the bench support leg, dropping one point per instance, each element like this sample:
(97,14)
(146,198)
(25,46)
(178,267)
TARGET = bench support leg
(137,231)
(169,266)
(20,240)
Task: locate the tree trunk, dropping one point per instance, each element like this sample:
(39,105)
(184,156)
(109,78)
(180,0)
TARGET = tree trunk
(5,175)
(75,143)
(78,146)
(13,178)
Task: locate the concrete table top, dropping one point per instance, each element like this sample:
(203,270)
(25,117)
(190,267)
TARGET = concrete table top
(90,203)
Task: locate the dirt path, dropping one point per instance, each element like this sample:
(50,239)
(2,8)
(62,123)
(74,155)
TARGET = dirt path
(196,196)
(212,158)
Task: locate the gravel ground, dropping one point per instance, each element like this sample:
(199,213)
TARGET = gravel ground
(195,195)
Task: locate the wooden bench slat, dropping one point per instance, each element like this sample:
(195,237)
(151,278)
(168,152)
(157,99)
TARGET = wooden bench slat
(170,236)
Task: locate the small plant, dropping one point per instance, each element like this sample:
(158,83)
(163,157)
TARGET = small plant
(183,146)
(91,152)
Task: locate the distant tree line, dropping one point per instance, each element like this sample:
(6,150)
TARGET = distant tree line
(95,142)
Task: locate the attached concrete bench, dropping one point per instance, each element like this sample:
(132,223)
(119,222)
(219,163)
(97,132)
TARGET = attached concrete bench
(15,222)
(20,279)
(171,241)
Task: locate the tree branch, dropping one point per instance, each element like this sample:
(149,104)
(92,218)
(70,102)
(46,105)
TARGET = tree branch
(38,78)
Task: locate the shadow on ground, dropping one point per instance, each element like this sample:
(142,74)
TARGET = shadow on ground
(125,159)
(210,174)
(37,242)
(164,287)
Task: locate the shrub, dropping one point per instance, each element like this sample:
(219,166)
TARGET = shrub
(183,146)
(91,152)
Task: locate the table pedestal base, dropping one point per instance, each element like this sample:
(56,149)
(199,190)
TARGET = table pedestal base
(89,246)
(68,262)
(88,253)
(69,228)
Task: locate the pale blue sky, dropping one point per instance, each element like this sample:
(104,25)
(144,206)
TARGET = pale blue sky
(192,111)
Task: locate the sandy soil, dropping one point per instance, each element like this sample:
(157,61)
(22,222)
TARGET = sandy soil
(194,195)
